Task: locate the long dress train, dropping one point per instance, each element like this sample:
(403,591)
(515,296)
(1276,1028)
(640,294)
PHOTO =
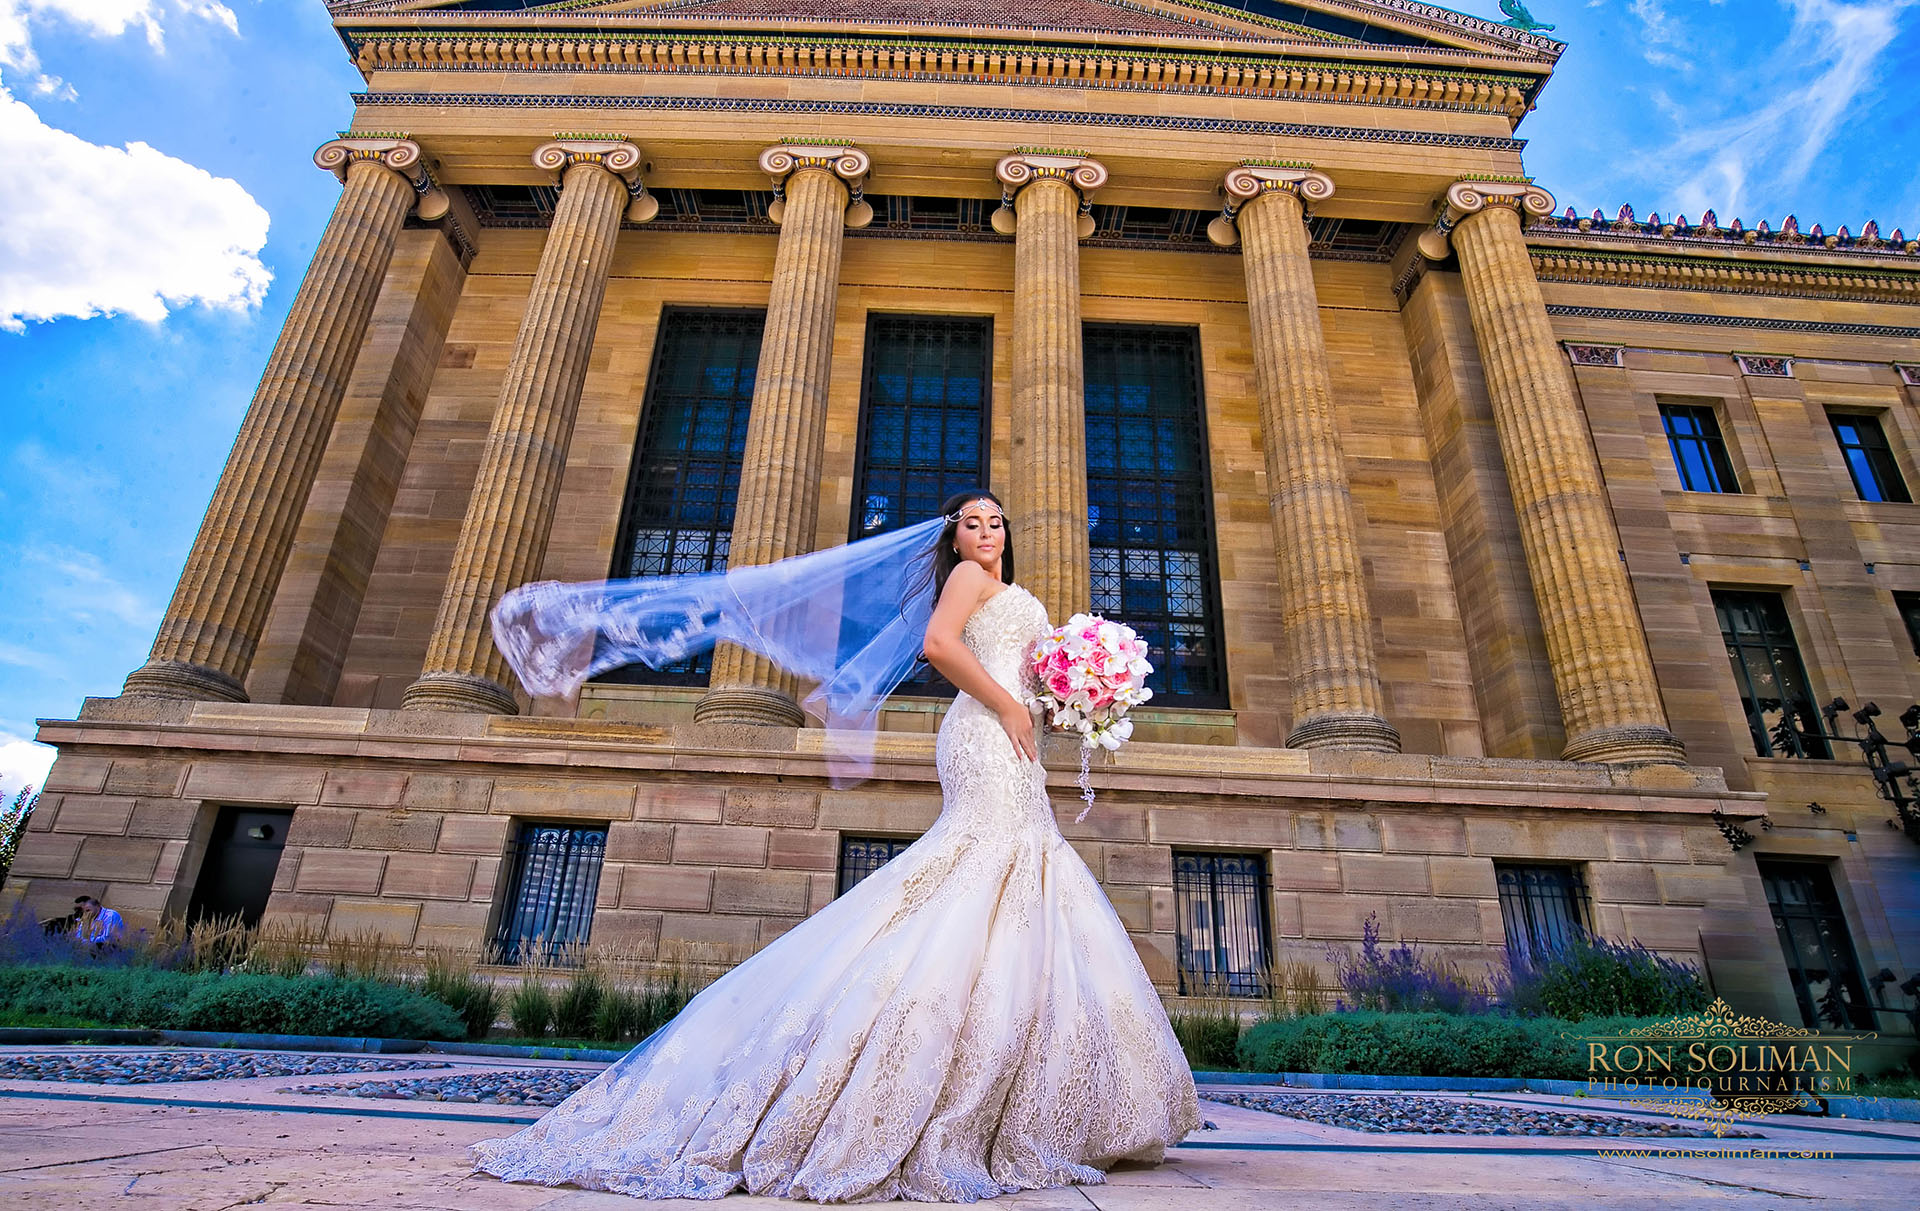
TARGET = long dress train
(970,1020)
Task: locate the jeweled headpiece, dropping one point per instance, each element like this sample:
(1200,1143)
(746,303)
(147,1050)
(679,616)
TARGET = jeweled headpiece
(984,505)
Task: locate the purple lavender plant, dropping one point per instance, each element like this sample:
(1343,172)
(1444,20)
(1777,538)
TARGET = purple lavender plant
(1401,979)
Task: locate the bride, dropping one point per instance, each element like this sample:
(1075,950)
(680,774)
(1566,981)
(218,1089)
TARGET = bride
(968,1021)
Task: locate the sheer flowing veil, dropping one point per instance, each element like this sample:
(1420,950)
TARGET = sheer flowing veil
(851,618)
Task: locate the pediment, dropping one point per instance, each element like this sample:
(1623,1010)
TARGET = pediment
(1386,24)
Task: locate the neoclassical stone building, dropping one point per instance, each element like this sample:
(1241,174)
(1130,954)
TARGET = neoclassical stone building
(1497,561)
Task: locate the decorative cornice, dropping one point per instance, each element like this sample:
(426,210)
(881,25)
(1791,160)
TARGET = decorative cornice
(843,160)
(610,152)
(1155,69)
(1471,195)
(1625,225)
(891,109)
(396,152)
(1251,179)
(1076,169)
(1696,268)
(1759,323)
(1595,355)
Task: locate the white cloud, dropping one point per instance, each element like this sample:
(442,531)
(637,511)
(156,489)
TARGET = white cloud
(99,18)
(77,587)
(1772,134)
(94,230)
(22,763)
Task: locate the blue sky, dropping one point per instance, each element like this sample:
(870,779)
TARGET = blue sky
(160,205)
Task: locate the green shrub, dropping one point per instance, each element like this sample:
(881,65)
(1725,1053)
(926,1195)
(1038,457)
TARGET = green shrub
(1425,1044)
(530,1008)
(575,1009)
(1592,977)
(617,1009)
(254,1004)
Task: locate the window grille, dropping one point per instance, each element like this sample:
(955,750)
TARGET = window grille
(1863,443)
(1774,692)
(1821,963)
(1543,909)
(923,428)
(1699,451)
(686,465)
(1220,915)
(1909,604)
(861,856)
(1150,505)
(556,875)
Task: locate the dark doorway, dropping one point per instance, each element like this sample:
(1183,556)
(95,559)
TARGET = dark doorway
(242,856)
(1818,949)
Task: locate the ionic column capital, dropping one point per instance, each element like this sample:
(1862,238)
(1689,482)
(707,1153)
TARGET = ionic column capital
(843,160)
(1255,179)
(1469,197)
(611,152)
(389,151)
(1081,172)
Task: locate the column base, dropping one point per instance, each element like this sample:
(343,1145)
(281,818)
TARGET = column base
(458,692)
(1629,744)
(746,704)
(179,679)
(1367,733)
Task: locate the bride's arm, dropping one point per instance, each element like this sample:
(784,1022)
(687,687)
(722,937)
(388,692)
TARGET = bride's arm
(965,591)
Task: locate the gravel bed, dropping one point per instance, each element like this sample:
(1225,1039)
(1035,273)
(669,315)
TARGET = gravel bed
(165,1067)
(1388,1113)
(509,1087)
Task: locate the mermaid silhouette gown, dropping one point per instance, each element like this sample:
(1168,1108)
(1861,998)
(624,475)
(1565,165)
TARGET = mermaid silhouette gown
(968,1021)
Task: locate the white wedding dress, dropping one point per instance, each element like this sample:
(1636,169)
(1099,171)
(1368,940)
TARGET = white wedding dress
(970,1020)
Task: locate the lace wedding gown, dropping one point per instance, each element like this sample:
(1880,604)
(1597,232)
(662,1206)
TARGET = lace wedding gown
(970,1020)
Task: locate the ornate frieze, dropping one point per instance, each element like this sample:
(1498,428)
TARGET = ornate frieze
(611,152)
(397,152)
(1595,355)
(1763,365)
(942,113)
(1724,274)
(1029,164)
(1625,225)
(1252,178)
(1164,69)
(1632,315)
(843,160)
(1471,195)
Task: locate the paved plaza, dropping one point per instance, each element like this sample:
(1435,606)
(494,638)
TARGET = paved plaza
(84,1128)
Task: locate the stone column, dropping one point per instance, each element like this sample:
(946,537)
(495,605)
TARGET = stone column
(1323,594)
(779,499)
(504,536)
(1045,207)
(213,624)
(1609,698)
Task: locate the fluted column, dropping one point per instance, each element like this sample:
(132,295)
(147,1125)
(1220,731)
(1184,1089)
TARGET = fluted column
(779,499)
(1045,207)
(1604,678)
(213,624)
(504,536)
(1323,594)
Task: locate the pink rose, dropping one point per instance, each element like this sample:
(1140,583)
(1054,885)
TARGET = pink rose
(1060,684)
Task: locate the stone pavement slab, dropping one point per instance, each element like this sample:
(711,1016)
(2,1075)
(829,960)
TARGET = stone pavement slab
(211,1145)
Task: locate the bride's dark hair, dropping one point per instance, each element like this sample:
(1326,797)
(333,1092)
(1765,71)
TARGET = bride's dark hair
(946,559)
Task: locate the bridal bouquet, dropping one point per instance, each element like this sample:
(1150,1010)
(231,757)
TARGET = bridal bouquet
(1090,673)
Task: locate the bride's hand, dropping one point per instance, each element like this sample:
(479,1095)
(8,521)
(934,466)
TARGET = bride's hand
(1017,720)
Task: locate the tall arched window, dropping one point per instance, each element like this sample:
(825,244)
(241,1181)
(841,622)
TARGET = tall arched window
(678,515)
(1150,505)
